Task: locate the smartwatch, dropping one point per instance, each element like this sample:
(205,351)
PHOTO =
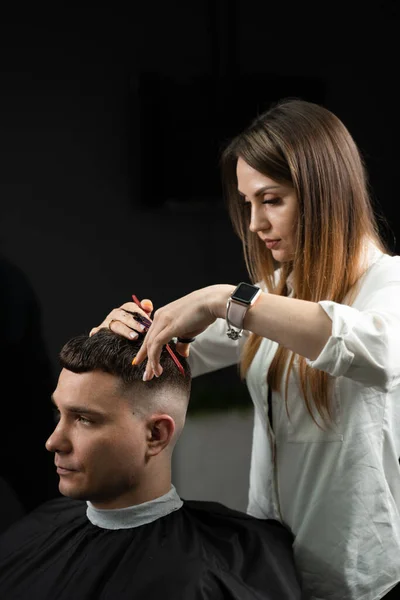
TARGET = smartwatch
(243,298)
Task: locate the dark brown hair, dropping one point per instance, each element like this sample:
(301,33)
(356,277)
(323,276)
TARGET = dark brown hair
(111,353)
(304,145)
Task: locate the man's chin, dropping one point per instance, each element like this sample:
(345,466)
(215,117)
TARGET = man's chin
(71,492)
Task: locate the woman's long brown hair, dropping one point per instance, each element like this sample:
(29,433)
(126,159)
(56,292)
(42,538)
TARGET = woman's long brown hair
(305,145)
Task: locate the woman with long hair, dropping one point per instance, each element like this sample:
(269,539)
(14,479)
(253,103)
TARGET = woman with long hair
(317,336)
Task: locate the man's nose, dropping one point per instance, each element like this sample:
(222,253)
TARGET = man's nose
(258,220)
(59,440)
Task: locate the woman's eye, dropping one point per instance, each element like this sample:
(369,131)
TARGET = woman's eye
(272,201)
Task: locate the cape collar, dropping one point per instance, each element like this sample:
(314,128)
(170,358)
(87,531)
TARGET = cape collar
(134,516)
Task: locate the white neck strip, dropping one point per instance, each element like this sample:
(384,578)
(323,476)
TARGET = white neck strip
(134,516)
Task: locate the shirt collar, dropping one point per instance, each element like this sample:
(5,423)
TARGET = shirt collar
(289,283)
(134,516)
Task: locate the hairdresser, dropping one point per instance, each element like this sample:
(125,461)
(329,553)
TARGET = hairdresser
(318,343)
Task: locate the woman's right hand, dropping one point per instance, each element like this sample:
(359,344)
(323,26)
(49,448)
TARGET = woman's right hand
(120,321)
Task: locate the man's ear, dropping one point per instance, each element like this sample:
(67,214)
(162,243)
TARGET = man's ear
(160,430)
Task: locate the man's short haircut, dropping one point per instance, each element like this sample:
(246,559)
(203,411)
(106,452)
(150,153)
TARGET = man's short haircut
(111,353)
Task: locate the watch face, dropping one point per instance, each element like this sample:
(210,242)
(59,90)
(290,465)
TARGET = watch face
(245,293)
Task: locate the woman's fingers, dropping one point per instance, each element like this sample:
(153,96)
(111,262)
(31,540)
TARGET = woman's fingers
(142,354)
(183,349)
(153,366)
(130,331)
(151,348)
(186,317)
(121,321)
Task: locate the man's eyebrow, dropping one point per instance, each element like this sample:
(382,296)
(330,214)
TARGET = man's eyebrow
(81,409)
(262,190)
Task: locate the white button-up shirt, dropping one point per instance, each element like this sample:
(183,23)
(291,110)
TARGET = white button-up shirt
(337,489)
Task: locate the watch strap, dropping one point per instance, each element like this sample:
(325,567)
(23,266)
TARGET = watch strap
(236,313)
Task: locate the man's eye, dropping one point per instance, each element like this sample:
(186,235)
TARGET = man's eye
(56,415)
(84,420)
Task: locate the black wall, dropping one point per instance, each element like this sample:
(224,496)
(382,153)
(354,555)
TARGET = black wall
(110,127)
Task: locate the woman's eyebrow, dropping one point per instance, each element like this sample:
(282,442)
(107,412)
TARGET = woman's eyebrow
(262,190)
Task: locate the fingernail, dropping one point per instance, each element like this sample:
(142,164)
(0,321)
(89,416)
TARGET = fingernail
(133,335)
(183,352)
(145,377)
(159,373)
(134,361)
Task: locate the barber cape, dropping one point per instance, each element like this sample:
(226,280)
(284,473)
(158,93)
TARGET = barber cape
(69,550)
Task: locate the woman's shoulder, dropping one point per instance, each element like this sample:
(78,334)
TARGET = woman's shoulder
(384,268)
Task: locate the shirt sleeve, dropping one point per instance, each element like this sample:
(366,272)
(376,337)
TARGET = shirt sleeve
(213,350)
(365,342)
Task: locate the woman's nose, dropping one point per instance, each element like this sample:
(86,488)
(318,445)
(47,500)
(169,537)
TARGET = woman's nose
(258,220)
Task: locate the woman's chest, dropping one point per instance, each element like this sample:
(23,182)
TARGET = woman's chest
(352,406)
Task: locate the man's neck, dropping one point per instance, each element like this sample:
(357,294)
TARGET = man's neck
(150,488)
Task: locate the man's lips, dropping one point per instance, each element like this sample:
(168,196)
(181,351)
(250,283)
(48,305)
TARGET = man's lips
(61,468)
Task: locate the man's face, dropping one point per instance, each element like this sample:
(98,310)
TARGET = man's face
(99,443)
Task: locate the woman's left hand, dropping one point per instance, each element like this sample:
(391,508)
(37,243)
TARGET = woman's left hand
(186,317)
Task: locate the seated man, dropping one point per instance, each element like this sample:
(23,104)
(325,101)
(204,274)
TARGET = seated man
(122,532)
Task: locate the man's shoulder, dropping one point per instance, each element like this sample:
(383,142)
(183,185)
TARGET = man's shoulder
(243,556)
(59,506)
(215,508)
(214,513)
(44,519)
(219,510)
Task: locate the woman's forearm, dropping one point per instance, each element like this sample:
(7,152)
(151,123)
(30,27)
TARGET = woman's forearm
(299,325)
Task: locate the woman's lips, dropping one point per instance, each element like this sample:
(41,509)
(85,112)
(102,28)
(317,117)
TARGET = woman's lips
(271,243)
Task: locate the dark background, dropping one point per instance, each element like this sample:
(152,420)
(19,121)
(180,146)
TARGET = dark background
(111,120)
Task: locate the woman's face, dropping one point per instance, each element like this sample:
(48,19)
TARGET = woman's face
(274,210)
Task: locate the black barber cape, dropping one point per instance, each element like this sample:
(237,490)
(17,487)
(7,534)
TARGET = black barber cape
(203,551)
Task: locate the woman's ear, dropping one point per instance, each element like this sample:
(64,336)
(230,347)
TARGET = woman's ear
(160,430)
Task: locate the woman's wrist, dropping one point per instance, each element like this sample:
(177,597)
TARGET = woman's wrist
(218,297)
